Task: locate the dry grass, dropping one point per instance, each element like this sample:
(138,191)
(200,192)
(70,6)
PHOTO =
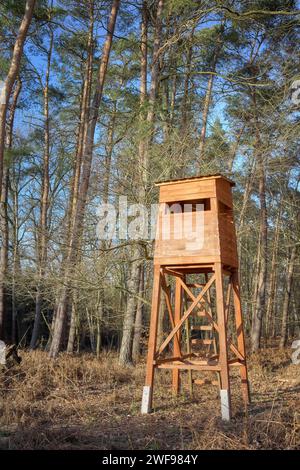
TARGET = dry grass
(85,403)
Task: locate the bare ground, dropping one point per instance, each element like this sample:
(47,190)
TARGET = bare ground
(85,403)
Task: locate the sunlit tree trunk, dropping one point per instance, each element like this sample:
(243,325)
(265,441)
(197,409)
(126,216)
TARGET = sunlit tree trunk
(82,131)
(16,265)
(235,147)
(125,357)
(138,325)
(262,254)
(262,272)
(273,275)
(207,99)
(43,225)
(161,320)
(259,308)
(5,92)
(287,296)
(185,106)
(72,331)
(84,115)
(4,216)
(61,308)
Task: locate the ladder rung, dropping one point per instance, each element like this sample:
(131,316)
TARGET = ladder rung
(202,341)
(201,313)
(202,327)
(196,284)
(205,382)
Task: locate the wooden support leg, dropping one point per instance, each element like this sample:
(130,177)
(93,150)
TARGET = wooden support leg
(188,340)
(213,337)
(223,352)
(148,388)
(177,351)
(240,335)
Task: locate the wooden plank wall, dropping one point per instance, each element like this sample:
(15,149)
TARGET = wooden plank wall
(219,230)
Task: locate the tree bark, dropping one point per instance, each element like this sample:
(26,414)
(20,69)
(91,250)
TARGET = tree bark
(72,331)
(76,230)
(5,92)
(43,225)
(287,297)
(99,319)
(207,99)
(138,325)
(185,107)
(109,152)
(84,113)
(273,275)
(3,251)
(246,197)
(16,265)
(262,274)
(125,356)
(235,147)
(259,307)
(4,217)
(161,320)
(143,164)
(82,130)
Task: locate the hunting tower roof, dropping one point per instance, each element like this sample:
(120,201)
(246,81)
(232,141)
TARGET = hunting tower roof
(195,178)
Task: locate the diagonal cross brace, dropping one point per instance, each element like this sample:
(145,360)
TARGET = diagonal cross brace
(227,304)
(186,315)
(169,307)
(233,348)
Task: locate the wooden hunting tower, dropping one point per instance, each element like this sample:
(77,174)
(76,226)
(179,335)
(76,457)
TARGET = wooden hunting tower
(196,269)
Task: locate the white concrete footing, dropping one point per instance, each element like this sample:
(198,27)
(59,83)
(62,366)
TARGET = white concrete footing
(146,400)
(225,405)
(2,353)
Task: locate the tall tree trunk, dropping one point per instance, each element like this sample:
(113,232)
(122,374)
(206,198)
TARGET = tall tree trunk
(296,324)
(3,250)
(207,99)
(235,147)
(61,308)
(143,163)
(185,106)
(16,266)
(99,319)
(6,91)
(254,277)
(259,306)
(173,100)
(82,130)
(138,325)
(72,331)
(273,275)
(287,297)
(205,112)
(262,274)
(4,216)
(161,320)
(125,356)
(109,152)
(246,198)
(84,115)
(43,225)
